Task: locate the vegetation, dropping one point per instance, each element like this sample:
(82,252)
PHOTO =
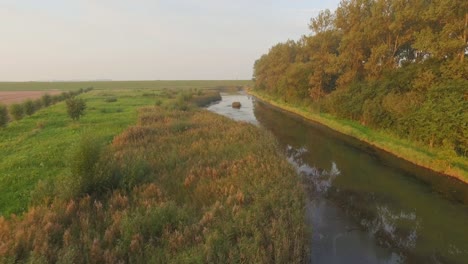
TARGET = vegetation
(3,115)
(119,85)
(75,107)
(393,67)
(33,149)
(46,100)
(29,107)
(17,111)
(182,185)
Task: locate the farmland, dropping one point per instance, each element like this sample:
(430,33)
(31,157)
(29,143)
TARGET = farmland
(9,97)
(117,85)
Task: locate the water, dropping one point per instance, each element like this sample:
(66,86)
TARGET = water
(245,113)
(364,205)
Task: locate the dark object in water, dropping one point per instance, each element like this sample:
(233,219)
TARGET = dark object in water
(236,105)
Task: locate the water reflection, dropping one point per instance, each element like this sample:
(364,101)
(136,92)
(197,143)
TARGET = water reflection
(319,178)
(366,206)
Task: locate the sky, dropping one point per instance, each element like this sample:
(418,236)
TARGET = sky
(51,40)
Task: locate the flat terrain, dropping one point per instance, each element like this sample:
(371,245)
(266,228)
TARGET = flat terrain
(146,176)
(116,85)
(10,97)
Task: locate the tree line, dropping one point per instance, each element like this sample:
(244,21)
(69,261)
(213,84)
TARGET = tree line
(395,65)
(18,111)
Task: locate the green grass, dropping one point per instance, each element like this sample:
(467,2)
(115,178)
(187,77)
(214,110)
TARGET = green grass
(34,148)
(435,159)
(180,185)
(116,85)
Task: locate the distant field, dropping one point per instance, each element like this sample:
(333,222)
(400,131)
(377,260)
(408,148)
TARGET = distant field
(113,85)
(10,97)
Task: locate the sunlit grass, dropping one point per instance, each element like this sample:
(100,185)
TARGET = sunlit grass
(179,185)
(35,147)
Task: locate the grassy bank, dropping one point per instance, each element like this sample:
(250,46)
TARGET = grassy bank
(431,158)
(182,185)
(35,147)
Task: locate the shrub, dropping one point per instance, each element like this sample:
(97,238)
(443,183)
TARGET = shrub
(75,107)
(37,104)
(83,165)
(110,100)
(17,111)
(204,99)
(46,100)
(29,108)
(3,116)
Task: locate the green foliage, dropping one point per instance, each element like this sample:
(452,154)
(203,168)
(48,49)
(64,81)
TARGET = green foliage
(379,63)
(83,164)
(29,107)
(46,138)
(3,115)
(110,100)
(46,100)
(75,107)
(17,111)
(206,98)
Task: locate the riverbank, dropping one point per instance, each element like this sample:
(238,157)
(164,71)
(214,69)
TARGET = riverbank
(175,183)
(433,159)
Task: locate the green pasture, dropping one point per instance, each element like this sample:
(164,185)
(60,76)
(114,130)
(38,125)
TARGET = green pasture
(118,85)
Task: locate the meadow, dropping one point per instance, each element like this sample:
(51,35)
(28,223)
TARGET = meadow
(146,176)
(119,85)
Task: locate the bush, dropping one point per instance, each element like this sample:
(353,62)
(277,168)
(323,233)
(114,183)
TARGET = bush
(37,104)
(46,100)
(3,116)
(110,100)
(83,165)
(75,108)
(29,108)
(17,111)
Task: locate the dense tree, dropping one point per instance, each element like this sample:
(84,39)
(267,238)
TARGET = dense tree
(323,51)
(397,65)
(444,35)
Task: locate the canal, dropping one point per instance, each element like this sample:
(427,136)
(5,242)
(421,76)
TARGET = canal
(364,205)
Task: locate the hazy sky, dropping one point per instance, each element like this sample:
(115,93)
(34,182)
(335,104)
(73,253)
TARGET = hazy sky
(143,39)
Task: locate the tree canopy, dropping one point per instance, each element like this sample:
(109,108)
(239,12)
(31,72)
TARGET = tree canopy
(397,65)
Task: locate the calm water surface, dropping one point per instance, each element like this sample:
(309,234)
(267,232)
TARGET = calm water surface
(364,205)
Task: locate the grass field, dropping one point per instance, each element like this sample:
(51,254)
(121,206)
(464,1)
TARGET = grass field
(118,85)
(30,148)
(145,176)
(434,159)
(34,148)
